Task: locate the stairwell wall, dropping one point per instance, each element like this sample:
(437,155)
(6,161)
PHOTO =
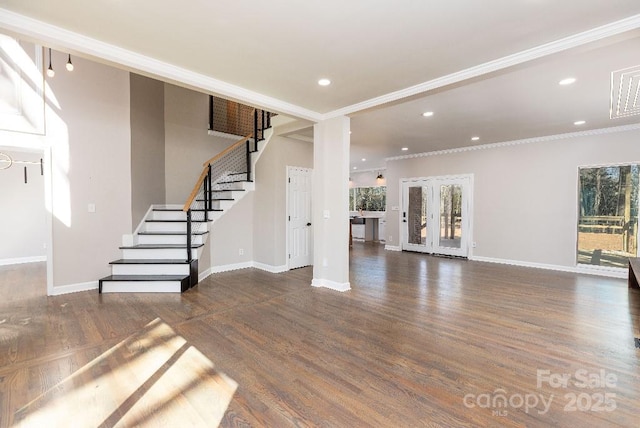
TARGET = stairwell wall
(270,198)
(147,146)
(187,146)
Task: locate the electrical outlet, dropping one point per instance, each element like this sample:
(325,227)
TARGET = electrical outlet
(241,252)
(91,208)
(474,244)
(390,238)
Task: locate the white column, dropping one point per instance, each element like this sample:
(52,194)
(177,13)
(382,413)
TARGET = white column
(330,204)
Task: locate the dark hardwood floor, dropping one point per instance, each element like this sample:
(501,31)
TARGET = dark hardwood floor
(418,341)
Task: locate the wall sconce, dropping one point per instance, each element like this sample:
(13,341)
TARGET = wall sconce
(50,71)
(380,180)
(69,64)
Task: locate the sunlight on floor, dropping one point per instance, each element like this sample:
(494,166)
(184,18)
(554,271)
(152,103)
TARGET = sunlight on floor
(152,378)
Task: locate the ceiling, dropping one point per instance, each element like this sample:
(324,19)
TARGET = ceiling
(372,52)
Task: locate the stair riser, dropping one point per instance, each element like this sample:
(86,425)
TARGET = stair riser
(170,239)
(169,215)
(152,269)
(174,227)
(222,205)
(157,253)
(141,287)
(229,186)
(227,195)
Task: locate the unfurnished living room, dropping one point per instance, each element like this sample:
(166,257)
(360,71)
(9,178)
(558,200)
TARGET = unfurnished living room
(337,214)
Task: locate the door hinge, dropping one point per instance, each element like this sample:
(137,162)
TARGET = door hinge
(289,255)
(289,179)
(289,218)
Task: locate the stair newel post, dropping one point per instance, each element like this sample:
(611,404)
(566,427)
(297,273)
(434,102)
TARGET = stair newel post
(249,159)
(210,206)
(189,259)
(206,190)
(268,119)
(255,130)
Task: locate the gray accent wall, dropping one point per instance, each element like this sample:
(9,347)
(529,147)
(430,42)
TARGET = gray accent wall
(187,142)
(147,145)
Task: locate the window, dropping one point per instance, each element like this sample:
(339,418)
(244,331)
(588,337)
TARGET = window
(608,215)
(368,198)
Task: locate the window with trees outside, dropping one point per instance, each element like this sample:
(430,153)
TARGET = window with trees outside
(368,198)
(608,215)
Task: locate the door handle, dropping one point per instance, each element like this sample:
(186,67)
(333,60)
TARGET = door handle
(308,224)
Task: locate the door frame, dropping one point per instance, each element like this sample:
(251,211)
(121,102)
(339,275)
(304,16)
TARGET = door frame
(286,214)
(469,219)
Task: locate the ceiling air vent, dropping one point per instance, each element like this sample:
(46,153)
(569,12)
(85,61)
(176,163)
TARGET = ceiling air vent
(625,92)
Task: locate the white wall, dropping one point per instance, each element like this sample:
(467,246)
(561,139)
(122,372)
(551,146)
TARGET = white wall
(88,130)
(271,194)
(525,196)
(22,216)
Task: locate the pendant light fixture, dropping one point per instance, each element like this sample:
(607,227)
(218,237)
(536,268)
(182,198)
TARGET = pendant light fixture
(69,64)
(50,71)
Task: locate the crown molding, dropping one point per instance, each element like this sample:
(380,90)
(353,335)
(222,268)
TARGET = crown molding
(592,35)
(358,171)
(60,38)
(546,138)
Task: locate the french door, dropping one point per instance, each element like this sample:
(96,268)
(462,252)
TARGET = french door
(435,215)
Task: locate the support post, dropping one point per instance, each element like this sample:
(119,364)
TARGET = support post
(331,204)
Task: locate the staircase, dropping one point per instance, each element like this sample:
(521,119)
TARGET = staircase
(162,256)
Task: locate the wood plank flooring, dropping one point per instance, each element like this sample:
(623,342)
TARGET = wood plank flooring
(418,341)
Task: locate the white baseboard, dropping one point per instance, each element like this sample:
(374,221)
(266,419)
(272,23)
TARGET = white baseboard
(588,270)
(244,265)
(392,248)
(74,288)
(204,275)
(326,283)
(230,267)
(21,260)
(270,268)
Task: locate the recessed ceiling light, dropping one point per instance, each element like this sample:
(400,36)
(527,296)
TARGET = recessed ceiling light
(567,81)
(349,132)
(324,82)
(427,114)
(579,122)
(475,138)
(355,167)
(404,149)
(364,159)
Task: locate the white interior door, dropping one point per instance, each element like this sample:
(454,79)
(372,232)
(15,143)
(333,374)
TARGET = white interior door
(436,215)
(300,237)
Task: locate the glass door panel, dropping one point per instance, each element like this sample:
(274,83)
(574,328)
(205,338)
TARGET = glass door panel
(417,215)
(450,216)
